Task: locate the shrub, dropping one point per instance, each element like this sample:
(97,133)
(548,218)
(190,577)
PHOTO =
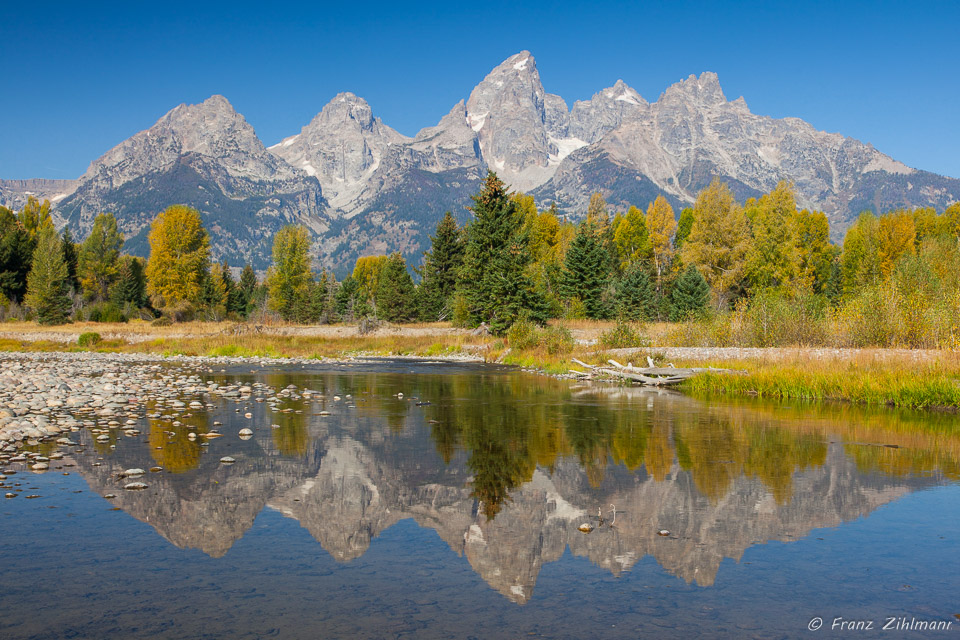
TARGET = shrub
(623,336)
(105,312)
(523,334)
(162,321)
(88,339)
(770,319)
(557,340)
(576,309)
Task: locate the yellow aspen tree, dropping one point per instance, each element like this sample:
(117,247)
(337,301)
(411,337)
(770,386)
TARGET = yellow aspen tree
(719,240)
(179,256)
(897,236)
(661,226)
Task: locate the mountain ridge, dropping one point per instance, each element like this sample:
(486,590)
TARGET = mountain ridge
(362,187)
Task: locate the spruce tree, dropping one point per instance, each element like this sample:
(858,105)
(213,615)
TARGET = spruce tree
(70,256)
(248,290)
(689,296)
(586,272)
(395,294)
(131,286)
(349,305)
(47,288)
(833,290)
(493,280)
(16,255)
(635,296)
(440,268)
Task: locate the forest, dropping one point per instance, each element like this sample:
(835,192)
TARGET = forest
(758,273)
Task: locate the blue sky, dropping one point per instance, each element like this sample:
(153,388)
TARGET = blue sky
(81,77)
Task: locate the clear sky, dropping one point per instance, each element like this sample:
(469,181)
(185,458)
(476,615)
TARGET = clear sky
(80,77)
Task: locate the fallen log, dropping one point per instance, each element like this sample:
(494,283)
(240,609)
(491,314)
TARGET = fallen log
(651,376)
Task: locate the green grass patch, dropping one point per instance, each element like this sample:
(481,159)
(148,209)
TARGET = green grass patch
(917,387)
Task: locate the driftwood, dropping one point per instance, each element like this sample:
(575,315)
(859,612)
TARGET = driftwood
(650,376)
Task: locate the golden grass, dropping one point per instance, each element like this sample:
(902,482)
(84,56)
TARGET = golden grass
(868,377)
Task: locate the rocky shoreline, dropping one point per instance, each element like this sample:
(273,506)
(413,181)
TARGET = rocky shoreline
(47,396)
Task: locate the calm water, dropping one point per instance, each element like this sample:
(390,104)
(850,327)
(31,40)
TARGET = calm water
(459,518)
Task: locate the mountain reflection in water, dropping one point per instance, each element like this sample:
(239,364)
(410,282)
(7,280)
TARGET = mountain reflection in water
(506,466)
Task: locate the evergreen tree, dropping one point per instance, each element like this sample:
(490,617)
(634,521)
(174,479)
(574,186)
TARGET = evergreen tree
(318,297)
(213,298)
(395,293)
(585,272)
(289,278)
(833,289)
(440,267)
(635,295)
(131,286)
(99,253)
(347,305)
(248,290)
(493,280)
(689,295)
(70,256)
(16,256)
(47,288)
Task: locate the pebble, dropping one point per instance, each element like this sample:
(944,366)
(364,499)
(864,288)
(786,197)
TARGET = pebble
(135,486)
(227,460)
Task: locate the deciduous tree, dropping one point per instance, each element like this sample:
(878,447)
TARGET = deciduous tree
(179,256)
(97,261)
(719,240)
(288,279)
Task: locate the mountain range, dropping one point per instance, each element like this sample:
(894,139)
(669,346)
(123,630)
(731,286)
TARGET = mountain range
(363,188)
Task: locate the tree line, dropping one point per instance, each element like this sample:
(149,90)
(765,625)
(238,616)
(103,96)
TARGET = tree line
(509,261)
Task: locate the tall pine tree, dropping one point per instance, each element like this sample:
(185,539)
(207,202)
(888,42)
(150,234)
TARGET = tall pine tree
(635,295)
(131,286)
(395,295)
(493,280)
(440,268)
(70,256)
(16,255)
(47,288)
(586,272)
(689,296)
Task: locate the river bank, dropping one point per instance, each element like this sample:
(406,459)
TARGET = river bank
(908,378)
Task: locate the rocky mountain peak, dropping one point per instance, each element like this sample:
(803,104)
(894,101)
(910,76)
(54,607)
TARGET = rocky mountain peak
(508,112)
(342,146)
(591,119)
(704,91)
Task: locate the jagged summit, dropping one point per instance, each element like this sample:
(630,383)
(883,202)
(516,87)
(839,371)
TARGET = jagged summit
(342,146)
(704,90)
(362,187)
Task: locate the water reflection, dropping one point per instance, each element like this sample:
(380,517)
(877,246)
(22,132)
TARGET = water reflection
(505,467)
